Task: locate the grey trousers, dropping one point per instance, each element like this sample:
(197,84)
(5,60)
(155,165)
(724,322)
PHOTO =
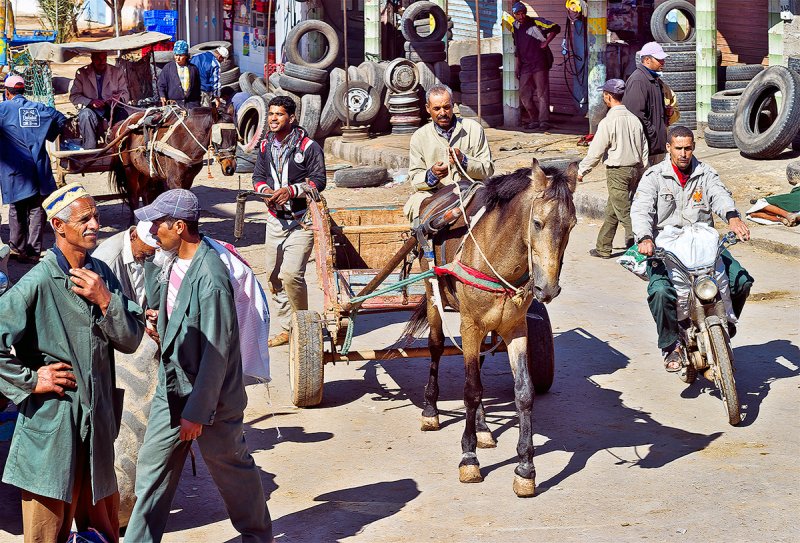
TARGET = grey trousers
(26,223)
(225,452)
(534,93)
(288,252)
(89,121)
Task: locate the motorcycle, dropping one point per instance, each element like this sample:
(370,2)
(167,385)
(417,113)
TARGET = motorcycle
(705,339)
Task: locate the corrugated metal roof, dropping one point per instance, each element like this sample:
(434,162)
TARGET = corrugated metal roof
(463,14)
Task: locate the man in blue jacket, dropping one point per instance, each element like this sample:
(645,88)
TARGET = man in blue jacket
(208,64)
(26,177)
(179,81)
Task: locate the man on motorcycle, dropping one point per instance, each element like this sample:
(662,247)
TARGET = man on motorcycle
(681,191)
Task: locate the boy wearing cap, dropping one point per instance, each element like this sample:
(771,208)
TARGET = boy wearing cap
(179,81)
(532,37)
(125,253)
(644,97)
(200,394)
(70,314)
(619,135)
(26,176)
(208,65)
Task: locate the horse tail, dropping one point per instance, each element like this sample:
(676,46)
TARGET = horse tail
(418,322)
(117,179)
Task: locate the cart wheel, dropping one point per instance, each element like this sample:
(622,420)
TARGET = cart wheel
(541,353)
(306,373)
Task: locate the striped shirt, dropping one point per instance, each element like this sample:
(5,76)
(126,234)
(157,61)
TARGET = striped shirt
(176,275)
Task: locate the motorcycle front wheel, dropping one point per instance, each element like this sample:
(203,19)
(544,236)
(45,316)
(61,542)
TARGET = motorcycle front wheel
(723,358)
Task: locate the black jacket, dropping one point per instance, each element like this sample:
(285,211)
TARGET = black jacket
(169,86)
(307,162)
(644,97)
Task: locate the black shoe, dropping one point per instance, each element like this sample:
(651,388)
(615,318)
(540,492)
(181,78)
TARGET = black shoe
(532,125)
(598,254)
(731,330)
(545,126)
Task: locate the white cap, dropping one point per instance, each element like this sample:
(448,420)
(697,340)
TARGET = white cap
(143,231)
(222,51)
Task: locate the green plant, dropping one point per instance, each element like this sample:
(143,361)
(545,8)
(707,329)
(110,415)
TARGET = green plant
(62,16)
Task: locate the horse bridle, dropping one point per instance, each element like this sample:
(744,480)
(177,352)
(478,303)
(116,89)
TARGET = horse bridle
(222,153)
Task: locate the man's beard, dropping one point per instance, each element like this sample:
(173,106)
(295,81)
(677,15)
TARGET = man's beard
(164,259)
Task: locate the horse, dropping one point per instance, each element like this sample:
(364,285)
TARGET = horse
(144,166)
(518,245)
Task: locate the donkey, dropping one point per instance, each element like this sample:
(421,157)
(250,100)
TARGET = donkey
(521,238)
(143,174)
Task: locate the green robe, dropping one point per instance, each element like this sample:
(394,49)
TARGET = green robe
(46,323)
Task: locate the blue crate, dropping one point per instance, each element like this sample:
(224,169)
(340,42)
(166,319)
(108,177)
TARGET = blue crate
(163,28)
(159,16)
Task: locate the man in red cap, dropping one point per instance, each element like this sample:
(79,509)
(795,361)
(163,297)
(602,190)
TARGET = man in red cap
(26,177)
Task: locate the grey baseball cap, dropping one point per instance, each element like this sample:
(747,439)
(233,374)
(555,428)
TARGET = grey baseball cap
(614,86)
(175,203)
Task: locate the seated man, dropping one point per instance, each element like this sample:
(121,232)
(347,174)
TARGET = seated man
(430,157)
(680,191)
(96,89)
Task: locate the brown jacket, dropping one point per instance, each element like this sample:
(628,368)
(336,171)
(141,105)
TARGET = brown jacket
(84,87)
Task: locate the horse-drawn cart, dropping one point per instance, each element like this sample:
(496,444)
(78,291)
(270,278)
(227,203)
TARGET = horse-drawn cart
(360,252)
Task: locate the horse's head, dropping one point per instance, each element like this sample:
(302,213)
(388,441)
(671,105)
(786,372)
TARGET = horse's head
(223,145)
(552,217)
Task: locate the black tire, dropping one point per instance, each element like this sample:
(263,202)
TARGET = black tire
(486,109)
(471,76)
(541,349)
(306,363)
(401,75)
(272,81)
(755,141)
(679,47)
(372,73)
(657,27)
(742,72)
(686,100)
(680,61)
(260,87)
(209,46)
(721,122)
(251,121)
(361,102)
(794,63)
(680,81)
(135,374)
(725,101)
(417,10)
(430,58)
(312,110)
(688,119)
(492,97)
(231,76)
(226,64)
(487,85)
(427,79)
(308,73)
(361,176)
(719,140)
(733,85)
(423,47)
(793,172)
(489,61)
(291,45)
(441,70)
(299,86)
(721,347)
(246,83)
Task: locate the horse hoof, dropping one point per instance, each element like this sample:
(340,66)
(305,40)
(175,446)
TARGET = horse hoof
(485,440)
(524,488)
(469,474)
(430,424)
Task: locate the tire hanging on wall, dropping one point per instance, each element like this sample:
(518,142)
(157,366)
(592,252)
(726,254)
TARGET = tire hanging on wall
(658,20)
(291,46)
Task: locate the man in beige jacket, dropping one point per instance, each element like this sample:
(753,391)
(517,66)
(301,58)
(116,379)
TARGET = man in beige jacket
(436,146)
(96,89)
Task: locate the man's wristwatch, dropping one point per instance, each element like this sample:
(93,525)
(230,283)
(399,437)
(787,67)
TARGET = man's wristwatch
(731,215)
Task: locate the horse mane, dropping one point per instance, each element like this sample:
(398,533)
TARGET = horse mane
(501,189)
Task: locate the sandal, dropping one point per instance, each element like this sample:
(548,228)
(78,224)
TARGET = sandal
(673,362)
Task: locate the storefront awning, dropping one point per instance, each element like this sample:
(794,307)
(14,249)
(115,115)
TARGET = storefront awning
(62,52)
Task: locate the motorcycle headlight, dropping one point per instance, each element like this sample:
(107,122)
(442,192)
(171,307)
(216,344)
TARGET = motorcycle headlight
(3,282)
(706,288)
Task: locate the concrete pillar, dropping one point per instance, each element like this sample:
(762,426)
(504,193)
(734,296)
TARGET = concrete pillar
(511,112)
(597,12)
(372,30)
(706,15)
(775,33)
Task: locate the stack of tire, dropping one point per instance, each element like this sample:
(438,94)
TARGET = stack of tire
(763,126)
(794,65)
(491,88)
(425,46)
(359,101)
(738,76)
(719,132)
(402,78)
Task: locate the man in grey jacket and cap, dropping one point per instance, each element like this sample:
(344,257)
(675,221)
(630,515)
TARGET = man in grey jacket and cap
(681,191)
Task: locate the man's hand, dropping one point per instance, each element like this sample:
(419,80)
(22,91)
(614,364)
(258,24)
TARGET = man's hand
(190,430)
(456,154)
(163,101)
(646,247)
(90,286)
(739,228)
(439,170)
(580,179)
(97,104)
(279,197)
(54,378)
(152,320)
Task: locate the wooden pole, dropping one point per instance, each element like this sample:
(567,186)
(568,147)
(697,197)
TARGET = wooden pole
(346,65)
(478,32)
(706,16)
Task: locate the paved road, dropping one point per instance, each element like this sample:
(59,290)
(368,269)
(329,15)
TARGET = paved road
(625,451)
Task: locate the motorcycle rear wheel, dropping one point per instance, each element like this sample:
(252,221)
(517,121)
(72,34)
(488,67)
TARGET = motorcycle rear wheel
(723,359)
